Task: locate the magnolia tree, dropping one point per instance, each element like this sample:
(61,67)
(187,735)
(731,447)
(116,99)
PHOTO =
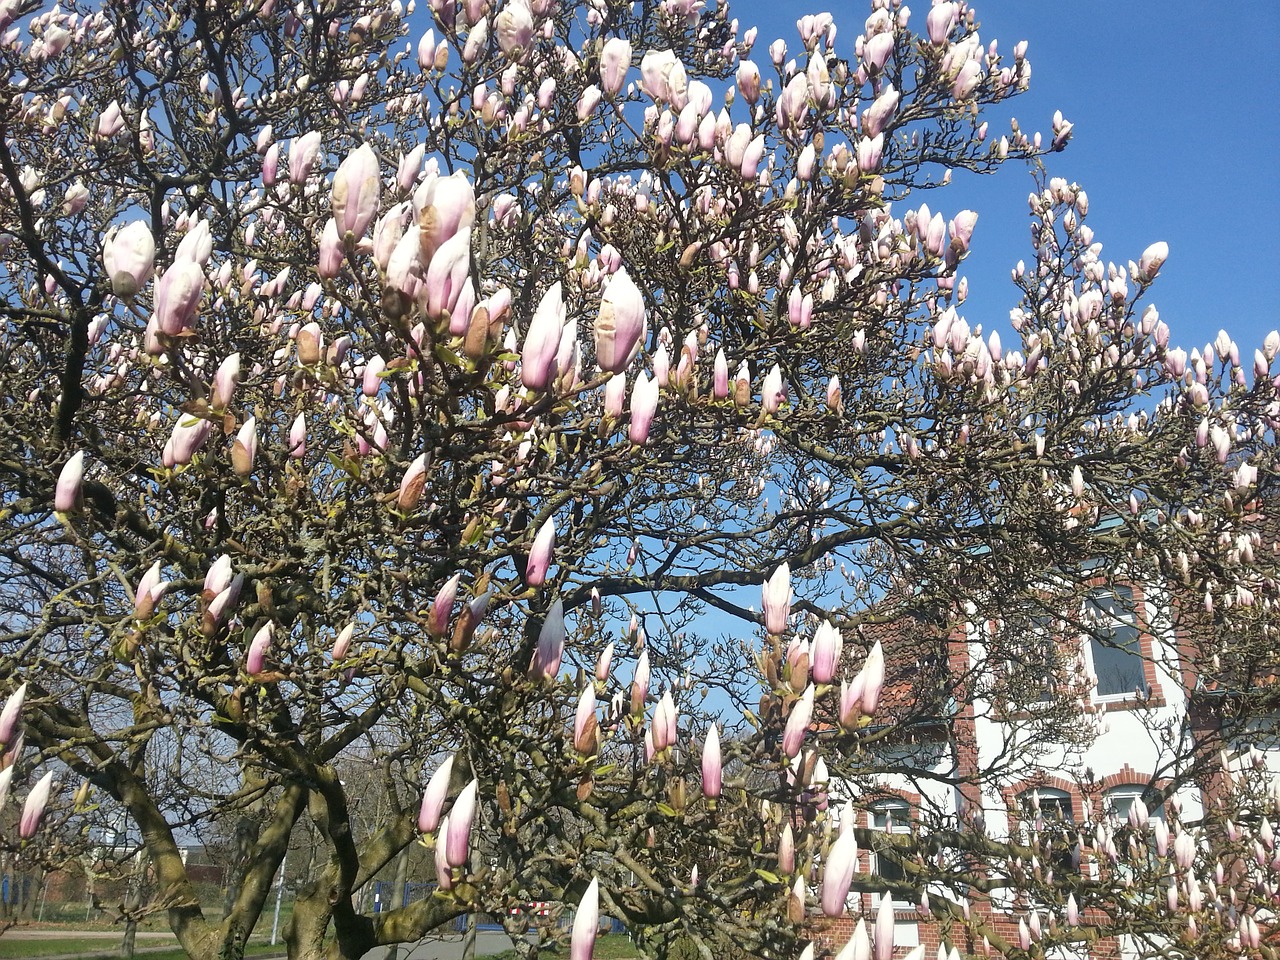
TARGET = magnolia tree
(433,391)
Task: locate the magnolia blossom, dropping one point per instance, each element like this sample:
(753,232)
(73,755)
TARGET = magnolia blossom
(777,600)
(644,405)
(33,810)
(837,875)
(586,922)
(542,554)
(615,61)
(68,495)
(129,255)
(620,322)
(549,651)
(356,189)
(458,836)
(711,765)
(434,796)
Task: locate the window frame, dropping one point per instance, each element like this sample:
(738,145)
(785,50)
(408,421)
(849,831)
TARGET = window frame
(893,826)
(1122,610)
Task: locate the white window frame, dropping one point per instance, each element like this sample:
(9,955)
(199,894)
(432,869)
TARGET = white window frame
(896,815)
(1127,618)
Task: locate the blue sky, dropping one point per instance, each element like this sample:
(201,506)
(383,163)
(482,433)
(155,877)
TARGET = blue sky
(1176,107)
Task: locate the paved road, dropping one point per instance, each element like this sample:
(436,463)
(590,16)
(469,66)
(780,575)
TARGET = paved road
(25,933)
(445,948)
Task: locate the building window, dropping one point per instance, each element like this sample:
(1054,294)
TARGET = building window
(1114,644)
(891,816)
(1035,668)
(1118,803)
(1050,813)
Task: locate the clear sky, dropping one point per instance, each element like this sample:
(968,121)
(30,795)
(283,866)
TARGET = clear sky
(1176,107)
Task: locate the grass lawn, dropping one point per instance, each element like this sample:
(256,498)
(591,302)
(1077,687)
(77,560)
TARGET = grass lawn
(100,949)
(611,946)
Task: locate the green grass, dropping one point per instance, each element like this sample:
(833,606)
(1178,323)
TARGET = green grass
(611,946)
(102,949)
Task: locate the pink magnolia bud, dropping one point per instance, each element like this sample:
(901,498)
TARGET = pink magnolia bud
(514,28)
(884,930)
(342,643)
(68,495)
(409,167)
(798,723)
(129,255)
(962,227)
(258,648)
(444,876)
(11,715)
(331,251)
(371,378)
(827,644)
(615,395)
(445,205)
(196,245)
(447,274)
(110,121)
(245,448)
(748,78)
(786,850)
(664,723)
(545,663)
(271,165)
(177,297)
(712,770)
(876,52)
(663,78)
(940,20)
(777,600)
(584,722)
(1152,259)
(538,358)
(966,80)
(1073,911)
(6,782)
(620,322)
(434,796)
(872,675)
(604,662)
(1184,851)
(640,683)
(772,392)
(298,437)
(720,377)
(411,486)
(458,836)
(542,554)
(224,382)
(793,105)
(644,405)
(189,435)
(585,923)
(34,809)
(221,605)
(302,156)
(870,151)
(442,606)
(837,874)
(357,187)
(615,61)
(881,110)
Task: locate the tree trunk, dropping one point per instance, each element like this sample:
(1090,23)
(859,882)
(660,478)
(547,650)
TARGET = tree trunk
(131,904)
(246,836)
(304,933)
